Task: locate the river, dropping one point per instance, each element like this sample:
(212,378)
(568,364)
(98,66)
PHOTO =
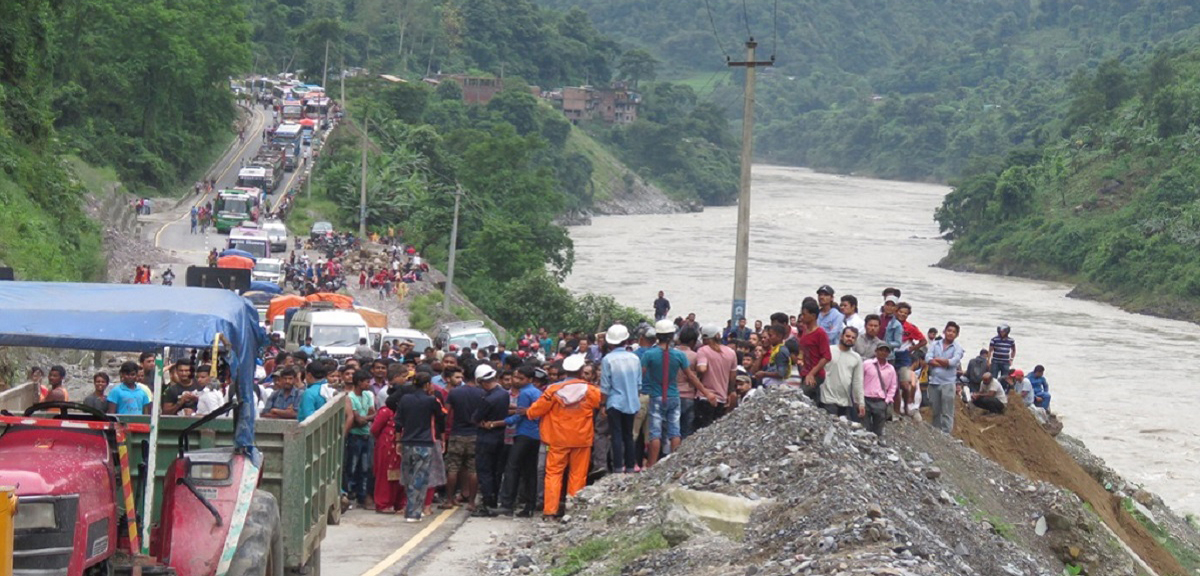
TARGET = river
(1119,380)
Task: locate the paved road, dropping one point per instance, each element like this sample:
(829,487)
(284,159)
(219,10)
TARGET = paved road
(365,543)
(171,229)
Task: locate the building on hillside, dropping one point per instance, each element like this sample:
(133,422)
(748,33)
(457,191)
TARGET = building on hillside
(475,89)
(613,105)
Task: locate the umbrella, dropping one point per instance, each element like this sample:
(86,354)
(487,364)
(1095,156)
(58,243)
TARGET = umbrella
(280,304)
(258,297)
(272,289)
(235,262)
(236,252)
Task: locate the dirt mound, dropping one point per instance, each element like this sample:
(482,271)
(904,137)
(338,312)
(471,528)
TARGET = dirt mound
(1016,441)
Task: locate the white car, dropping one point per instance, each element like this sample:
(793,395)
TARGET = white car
(277,234)
(268,270)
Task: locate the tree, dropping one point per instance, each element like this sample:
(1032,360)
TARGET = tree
(637,64)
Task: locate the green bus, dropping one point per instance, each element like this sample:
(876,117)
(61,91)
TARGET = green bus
(236,206)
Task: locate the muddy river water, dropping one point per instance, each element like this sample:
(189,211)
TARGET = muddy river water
(1122,382)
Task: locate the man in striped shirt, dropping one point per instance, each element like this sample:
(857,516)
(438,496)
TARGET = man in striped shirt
(1004,352)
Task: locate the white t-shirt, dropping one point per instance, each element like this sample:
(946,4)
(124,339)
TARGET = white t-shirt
(857,322)
(995,386)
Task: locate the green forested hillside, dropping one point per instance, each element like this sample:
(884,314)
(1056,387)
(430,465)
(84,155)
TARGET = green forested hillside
(910,89)
(1115,207)
(679,143)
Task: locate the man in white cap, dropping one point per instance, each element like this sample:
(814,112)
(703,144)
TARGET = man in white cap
(620,379)
(565,424)
(717,365)
(660,367)
(489,439)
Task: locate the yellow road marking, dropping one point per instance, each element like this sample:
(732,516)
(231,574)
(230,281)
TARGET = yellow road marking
(410,545)
(259,123)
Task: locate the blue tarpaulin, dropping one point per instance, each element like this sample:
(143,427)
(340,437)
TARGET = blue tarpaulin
(268,287)
(135,318)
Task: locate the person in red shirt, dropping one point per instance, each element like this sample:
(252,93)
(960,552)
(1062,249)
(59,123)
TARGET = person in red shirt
(814,348)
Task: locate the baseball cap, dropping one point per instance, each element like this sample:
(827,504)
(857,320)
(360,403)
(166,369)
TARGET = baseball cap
(484,372)
(825,289)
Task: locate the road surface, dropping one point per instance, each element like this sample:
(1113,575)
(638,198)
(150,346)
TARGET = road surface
(364,543)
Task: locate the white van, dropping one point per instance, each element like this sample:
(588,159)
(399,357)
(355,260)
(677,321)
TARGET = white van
(394,336)
(268,270)
(334,331)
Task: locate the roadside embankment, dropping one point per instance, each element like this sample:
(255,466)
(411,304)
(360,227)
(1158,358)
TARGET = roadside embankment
(780,487)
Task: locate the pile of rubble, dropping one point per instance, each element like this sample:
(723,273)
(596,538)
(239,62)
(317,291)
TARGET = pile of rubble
(780,487)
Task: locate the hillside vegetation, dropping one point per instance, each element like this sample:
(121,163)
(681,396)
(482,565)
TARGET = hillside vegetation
(909,90)
(1116,206)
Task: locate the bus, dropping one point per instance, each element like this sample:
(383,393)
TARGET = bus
(291,110)
(288,137)
(236,206)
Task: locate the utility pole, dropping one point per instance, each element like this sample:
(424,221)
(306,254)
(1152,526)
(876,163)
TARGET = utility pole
(362,200)
(325,74)
(458,192)
(742,258)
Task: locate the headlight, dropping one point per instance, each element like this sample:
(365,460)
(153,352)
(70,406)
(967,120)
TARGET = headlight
(209,472)
(34,516)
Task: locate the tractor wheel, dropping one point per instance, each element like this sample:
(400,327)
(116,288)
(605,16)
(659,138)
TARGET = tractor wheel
(260,548)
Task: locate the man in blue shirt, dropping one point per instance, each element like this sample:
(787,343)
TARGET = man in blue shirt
(523,456)
(620,379)
(129,398)
(312,400)
(660,367)
(308,348)
(944,358)
(830,318)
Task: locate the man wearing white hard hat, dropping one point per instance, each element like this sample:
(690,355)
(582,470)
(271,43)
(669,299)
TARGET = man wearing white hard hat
(489,439)
(565,424)
(717,366)
(661,366)
(620,379)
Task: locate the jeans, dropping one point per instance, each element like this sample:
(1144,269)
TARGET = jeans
(1000,368)
(664,413)
(356,466)
(521,467)
(706,413)
(993,405)
(414,473)
(942,399)
(488,467)
(620,427)
(1043,401)
(687,414)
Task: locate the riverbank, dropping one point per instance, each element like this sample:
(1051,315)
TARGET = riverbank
(1156,306)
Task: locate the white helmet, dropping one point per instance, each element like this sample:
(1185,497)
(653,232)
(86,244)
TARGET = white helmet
(710,331)
(664,326)
(617,333)
(484,372)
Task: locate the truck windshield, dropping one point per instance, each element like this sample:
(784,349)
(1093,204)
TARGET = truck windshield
(233,205)
(267,267)
(331,336)
(256,247)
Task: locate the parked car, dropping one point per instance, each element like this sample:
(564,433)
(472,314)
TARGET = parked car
(277,234)
(320,229)
(463,334)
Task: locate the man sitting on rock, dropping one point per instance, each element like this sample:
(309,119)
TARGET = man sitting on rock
(991,395)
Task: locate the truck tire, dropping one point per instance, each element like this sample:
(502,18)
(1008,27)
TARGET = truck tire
(260,547)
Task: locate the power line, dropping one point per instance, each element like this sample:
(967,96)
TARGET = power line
(713,23)
(746,19)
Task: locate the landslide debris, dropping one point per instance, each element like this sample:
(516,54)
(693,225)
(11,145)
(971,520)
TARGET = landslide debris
(804,493)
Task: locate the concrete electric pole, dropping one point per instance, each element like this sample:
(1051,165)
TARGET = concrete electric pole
(362,200)
(453,248)
(742,255)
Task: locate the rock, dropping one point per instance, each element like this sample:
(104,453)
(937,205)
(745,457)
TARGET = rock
(874,511)
(522,561)
(828,439)
(933,473)
(751,571)
(1041,527)
(723,471)
(924,457)
(1144,498)
(961,550)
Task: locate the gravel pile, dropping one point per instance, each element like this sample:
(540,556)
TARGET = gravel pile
(823,496)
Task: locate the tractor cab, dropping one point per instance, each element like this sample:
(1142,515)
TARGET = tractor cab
(80,510)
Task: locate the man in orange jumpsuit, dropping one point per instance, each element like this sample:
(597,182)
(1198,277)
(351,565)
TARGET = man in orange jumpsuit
(565,413)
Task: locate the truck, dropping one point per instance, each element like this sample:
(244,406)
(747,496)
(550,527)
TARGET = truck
(256,177)
(231,495)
